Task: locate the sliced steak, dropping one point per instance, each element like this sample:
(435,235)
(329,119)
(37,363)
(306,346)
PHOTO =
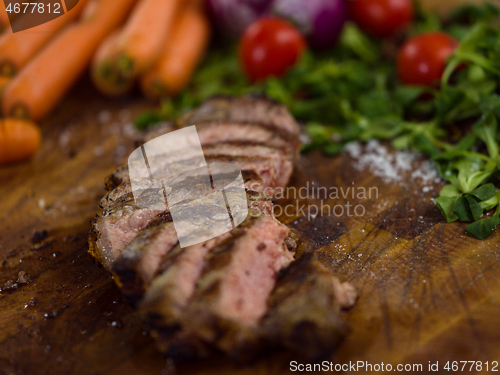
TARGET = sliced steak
(167,297)
(247,109)
(222,132)
(304,309)
(232,292)
(251,180)
(140,260)
(261,166)
(283,163)
(114,228)
(126,215)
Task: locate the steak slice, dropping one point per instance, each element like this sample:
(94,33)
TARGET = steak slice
(223,132)
(251,180)
(141,259)
(304,309)
(247,109)
(260,166)
(283,163)
(115,227)
(168,295)
(232,292)
(124,216)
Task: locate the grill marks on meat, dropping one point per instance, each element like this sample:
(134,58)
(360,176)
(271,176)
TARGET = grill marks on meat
(304,309)
(157,245)
(140,260)
(250,178)
(243,110)
(236,293)
(232,292)
(252,168)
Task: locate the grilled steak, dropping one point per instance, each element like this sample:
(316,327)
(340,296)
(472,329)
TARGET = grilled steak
(304,309)
(261,167)
(250,178)
(232,292)
(114,228)
(243,110)
(233,132)
(166,298)
(124,217)
(200,285)
(282,162)
(140,260)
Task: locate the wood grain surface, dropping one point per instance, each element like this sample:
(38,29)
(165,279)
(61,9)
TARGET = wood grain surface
(428,292)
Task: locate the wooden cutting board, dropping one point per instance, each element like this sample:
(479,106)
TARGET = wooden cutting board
(428,291)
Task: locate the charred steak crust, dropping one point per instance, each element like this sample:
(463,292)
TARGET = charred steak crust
(303,313)
(129,268)
(232,292)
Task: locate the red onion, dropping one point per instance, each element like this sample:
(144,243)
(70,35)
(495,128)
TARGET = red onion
(321,21)
(233,16)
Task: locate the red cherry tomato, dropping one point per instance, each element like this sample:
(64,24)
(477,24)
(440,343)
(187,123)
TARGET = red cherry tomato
(422,59)
(269,46)
(382,18)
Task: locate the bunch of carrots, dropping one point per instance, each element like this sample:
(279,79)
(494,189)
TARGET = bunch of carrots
(156,43)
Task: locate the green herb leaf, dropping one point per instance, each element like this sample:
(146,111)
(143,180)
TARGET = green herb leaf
(467,208)
(484,192)
(486,130)
(482,229)
(146,119)
(449,191)
(446,205)
(422,143)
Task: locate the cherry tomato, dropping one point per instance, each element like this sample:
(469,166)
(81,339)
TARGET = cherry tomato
(382,18)
(269,46)
(422,59)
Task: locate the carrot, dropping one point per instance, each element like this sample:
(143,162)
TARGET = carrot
(141,41)
(4,17)
(16,49)
(183,52)
(19,139)
(44,81)
(103,75)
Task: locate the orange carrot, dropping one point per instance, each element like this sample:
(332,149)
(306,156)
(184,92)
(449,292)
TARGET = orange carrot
(141,41)
(19,139)
(44,81)
(103,75)
(182,53)
(16,49)
(4,17)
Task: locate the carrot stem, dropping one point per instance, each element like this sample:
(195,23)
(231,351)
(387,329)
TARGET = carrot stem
(143,37)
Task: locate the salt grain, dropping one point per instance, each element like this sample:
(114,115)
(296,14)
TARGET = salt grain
(104,117)
(392,166)
(41,203)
